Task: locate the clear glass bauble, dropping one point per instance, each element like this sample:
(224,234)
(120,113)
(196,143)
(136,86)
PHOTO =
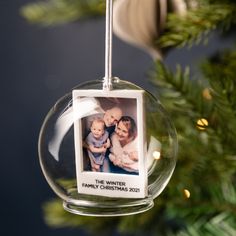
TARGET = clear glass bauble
(60,172)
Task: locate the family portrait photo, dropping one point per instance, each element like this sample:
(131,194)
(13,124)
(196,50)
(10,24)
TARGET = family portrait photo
(109,137)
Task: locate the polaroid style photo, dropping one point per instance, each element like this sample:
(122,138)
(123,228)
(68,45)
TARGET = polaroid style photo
(109,138)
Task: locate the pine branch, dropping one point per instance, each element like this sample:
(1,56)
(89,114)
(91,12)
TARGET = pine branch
(222,224)
(220,71)
(194,27)
(200,147)
(53,12)
(216,200)
(55,216)
(179,92)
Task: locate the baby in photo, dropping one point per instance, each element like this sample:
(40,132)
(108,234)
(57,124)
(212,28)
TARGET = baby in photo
(97,143)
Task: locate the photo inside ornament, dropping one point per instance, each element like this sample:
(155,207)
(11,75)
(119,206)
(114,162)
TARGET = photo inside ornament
(107,152)
(109,139)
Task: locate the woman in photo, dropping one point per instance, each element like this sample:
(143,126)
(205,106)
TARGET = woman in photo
(124,150)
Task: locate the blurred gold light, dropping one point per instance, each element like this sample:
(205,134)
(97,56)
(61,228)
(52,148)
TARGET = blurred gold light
(206,94)
(156,155)
(186,193)
(202,124)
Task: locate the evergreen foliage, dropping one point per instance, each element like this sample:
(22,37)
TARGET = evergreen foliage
(53,12)
(204,113)
(193,27)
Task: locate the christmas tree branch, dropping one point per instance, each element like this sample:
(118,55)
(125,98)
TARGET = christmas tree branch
(61,11)
(56,217)
(221,224)
(196,24)
(220,72)
(182,93)
(193,108)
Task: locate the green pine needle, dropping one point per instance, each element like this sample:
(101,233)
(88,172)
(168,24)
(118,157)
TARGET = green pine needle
(221,224)
(220,72)
(194,27)
(179,93)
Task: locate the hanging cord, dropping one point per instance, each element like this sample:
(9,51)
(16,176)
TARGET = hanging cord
(107,83)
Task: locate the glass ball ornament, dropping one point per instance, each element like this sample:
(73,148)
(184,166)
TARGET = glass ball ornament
(59,165)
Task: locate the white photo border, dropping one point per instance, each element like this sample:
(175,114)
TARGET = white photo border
(111,184)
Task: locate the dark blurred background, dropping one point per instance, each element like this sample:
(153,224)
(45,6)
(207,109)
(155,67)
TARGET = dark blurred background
(38,66)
